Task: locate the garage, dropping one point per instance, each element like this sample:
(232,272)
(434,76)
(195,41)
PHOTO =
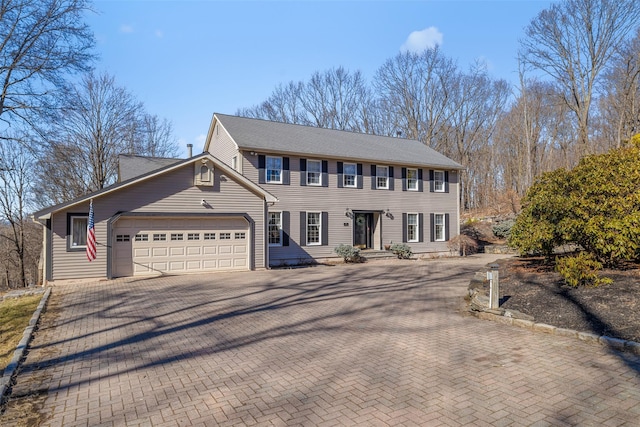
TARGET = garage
(149,246)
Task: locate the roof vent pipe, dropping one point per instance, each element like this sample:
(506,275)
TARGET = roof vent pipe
(190,150)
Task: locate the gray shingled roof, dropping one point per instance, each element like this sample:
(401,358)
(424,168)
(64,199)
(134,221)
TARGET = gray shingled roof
(130,166)
(263,135)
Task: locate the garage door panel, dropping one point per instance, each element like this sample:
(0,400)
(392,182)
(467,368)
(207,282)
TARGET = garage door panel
(160,266)
(194,251)
(159,252)
(140,268)
(210,250)
(177,251)
(194,265)
(210,264)
(141,252)
(181,245)
(176,266)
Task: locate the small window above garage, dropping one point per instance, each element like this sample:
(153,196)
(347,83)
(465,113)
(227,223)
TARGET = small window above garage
(203,173)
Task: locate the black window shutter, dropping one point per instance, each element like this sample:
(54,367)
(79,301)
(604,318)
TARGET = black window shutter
(433,227)
(285,170)
(303,229)
(404,228)
(325,228)
(325,173)
(261,167)
(446,227)
(446,181)
(404,179)
(431,186)
(286,227)
(420,180)
(303,171)
(390,178)
(340,172)
(360,180)
(373,177)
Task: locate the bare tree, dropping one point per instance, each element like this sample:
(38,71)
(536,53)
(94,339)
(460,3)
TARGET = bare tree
(154,137)
(98,121)
(284,105)
(572,42)
(416,90)
(476,104)
(41,41)
(15,190)
(333,99)
(620,104)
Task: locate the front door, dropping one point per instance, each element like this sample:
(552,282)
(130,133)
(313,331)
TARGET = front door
(362,230)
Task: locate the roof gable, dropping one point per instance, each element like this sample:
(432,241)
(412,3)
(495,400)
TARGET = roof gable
(45,213)
(276,137)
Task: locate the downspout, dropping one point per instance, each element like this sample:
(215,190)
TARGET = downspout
(43,262)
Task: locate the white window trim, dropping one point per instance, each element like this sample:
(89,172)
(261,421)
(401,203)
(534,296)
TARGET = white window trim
(319,242)
(234,163)
(435,181)
(355,176)
(386,187)
(417,224)
(266,169)
(280,229)
(435,226)
(72,218)
(319,183)
(417,185)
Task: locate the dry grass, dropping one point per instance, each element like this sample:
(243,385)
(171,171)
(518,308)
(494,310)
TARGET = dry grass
(15,314)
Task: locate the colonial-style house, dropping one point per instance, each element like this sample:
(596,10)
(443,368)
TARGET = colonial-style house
(261,194)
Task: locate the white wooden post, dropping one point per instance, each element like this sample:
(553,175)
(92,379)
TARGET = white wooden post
(494,287)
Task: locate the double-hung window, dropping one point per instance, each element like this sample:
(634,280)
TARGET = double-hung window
(412,179)
(382,177)
(438,181)
(314,172)
(350,175)
(412,227)
(274,169)
(78,231)
(314,220)
(275,229)
(439,227)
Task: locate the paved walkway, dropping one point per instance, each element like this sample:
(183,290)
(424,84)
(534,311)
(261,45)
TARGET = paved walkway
(375,344)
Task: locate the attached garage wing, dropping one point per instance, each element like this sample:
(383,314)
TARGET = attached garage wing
(148,246)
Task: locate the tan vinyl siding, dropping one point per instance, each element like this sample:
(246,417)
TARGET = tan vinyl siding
(222,145)
(296,198)
(70,265)
(170,193)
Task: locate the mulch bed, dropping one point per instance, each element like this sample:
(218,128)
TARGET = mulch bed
(531,286)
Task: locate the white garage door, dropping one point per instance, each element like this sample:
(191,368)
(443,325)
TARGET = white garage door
(144,246)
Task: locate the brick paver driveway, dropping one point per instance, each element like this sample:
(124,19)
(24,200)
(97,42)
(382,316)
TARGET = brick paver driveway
(380,343)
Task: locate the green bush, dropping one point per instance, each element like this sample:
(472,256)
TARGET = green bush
(595,206)
(348,253)
(502,230)
(401,250)
(581,269)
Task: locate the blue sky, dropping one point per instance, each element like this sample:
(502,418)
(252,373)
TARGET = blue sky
(188,59)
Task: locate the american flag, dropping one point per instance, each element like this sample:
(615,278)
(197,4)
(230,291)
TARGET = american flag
(91,235)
